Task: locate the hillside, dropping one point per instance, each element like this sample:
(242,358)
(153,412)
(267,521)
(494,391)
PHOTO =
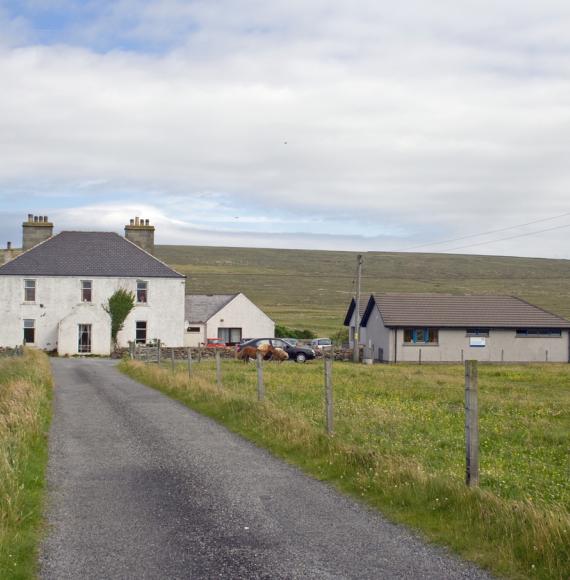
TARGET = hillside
(311,289)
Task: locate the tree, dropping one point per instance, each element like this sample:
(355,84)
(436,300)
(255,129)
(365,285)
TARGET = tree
(119,307)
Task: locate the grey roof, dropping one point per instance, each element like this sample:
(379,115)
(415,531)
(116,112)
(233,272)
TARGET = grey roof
(443,310)
(201,307)
(88,254)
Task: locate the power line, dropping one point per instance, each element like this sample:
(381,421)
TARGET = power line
(485,233)
(509,238)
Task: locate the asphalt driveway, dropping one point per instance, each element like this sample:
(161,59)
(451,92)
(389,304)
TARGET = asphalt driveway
(141,487)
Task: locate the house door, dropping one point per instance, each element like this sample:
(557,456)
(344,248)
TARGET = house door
(84,343)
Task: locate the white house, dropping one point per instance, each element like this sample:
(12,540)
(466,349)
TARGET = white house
(53,294)
(449,328)
(230,317)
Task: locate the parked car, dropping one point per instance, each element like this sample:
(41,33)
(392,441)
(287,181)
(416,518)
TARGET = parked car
(299,354)
(291,341)
(215,343)
(320,343)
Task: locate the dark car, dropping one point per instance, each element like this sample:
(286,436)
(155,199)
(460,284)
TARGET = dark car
(299,354)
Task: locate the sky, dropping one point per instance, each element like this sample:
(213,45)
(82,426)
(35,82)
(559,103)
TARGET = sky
(329,124)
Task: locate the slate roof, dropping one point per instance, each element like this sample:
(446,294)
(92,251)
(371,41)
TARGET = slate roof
(447,311)
(88,254)
(201,307)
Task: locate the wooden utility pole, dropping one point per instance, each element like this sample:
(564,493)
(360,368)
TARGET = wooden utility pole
(172,359)
(471,424)
(260,385)
(329,409)
(158,352)
(356,349)
(189,362)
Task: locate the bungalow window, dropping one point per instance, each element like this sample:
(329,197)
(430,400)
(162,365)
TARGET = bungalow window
(230,335)
(29,290)
(140,337)
(539,333)
(29,331)
(477,332)
(86,290)
(421,335)
(193,329)
(142,292)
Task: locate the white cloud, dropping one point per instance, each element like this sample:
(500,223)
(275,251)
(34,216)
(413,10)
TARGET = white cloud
(405,123)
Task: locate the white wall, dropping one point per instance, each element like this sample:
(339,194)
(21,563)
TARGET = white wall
(194,338)
(377,336)
(242,313)
(57,296)
(86,313)
(501,345)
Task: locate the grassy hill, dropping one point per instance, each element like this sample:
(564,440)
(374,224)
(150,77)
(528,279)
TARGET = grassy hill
(312,289)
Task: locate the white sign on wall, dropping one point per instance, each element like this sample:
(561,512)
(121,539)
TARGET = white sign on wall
(477,341)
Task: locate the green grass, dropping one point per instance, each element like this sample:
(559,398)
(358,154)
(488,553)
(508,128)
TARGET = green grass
(312,289)
(399,445)
(25,412)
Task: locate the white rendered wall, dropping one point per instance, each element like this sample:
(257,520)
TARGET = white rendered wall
(195,338)
(502,345)
(242,313)
(86,313)
(57,296)
(377,336)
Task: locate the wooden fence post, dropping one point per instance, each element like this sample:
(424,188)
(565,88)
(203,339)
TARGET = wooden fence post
(471,424)
(199,354)
(329,411)
(189,362)
(172,358)
(218,368)
(158,352)
(260,385)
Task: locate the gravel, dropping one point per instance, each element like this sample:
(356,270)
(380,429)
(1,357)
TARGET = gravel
(139,486)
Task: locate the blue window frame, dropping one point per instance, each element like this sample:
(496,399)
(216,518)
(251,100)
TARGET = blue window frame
(421,335)
(539,332)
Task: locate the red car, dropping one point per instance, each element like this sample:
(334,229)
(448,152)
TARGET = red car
(215,343)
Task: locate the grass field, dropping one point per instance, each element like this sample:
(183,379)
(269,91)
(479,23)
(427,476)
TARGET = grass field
(312,289)
(25,411)
(399,444)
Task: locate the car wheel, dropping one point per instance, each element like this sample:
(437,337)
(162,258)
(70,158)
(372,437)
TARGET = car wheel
(300,358)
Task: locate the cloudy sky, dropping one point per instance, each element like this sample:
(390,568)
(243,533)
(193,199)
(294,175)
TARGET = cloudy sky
(338,124)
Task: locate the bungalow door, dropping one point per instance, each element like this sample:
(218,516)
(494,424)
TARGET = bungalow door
(84,339)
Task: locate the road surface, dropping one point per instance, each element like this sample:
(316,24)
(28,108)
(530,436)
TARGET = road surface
(140,487)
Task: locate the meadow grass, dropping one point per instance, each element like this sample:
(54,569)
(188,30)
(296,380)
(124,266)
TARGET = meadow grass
(25,411)
(399,446)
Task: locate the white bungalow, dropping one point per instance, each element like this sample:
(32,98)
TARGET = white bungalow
(230,317)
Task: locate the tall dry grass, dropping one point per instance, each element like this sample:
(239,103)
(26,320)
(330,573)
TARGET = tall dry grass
(513,538)
(25,393)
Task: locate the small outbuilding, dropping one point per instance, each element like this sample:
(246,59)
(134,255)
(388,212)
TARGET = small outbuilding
(230,317)
(449,328)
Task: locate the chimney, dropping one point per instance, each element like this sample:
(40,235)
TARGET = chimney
(140,232)
(8,253)
(37,229)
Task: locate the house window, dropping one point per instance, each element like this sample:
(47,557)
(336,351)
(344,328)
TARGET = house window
(230,335)
(477,332)
(140,337)
(86,290)
(421,335)
(193,329)
(539,333)
(29,290)
(142,292)
(84,338)
(29,331)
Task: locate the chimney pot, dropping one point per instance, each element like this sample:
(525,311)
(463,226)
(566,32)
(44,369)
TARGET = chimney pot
(30,217)
(132,222)
(46,218)
(35,219)
(9,246)
(136,221)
